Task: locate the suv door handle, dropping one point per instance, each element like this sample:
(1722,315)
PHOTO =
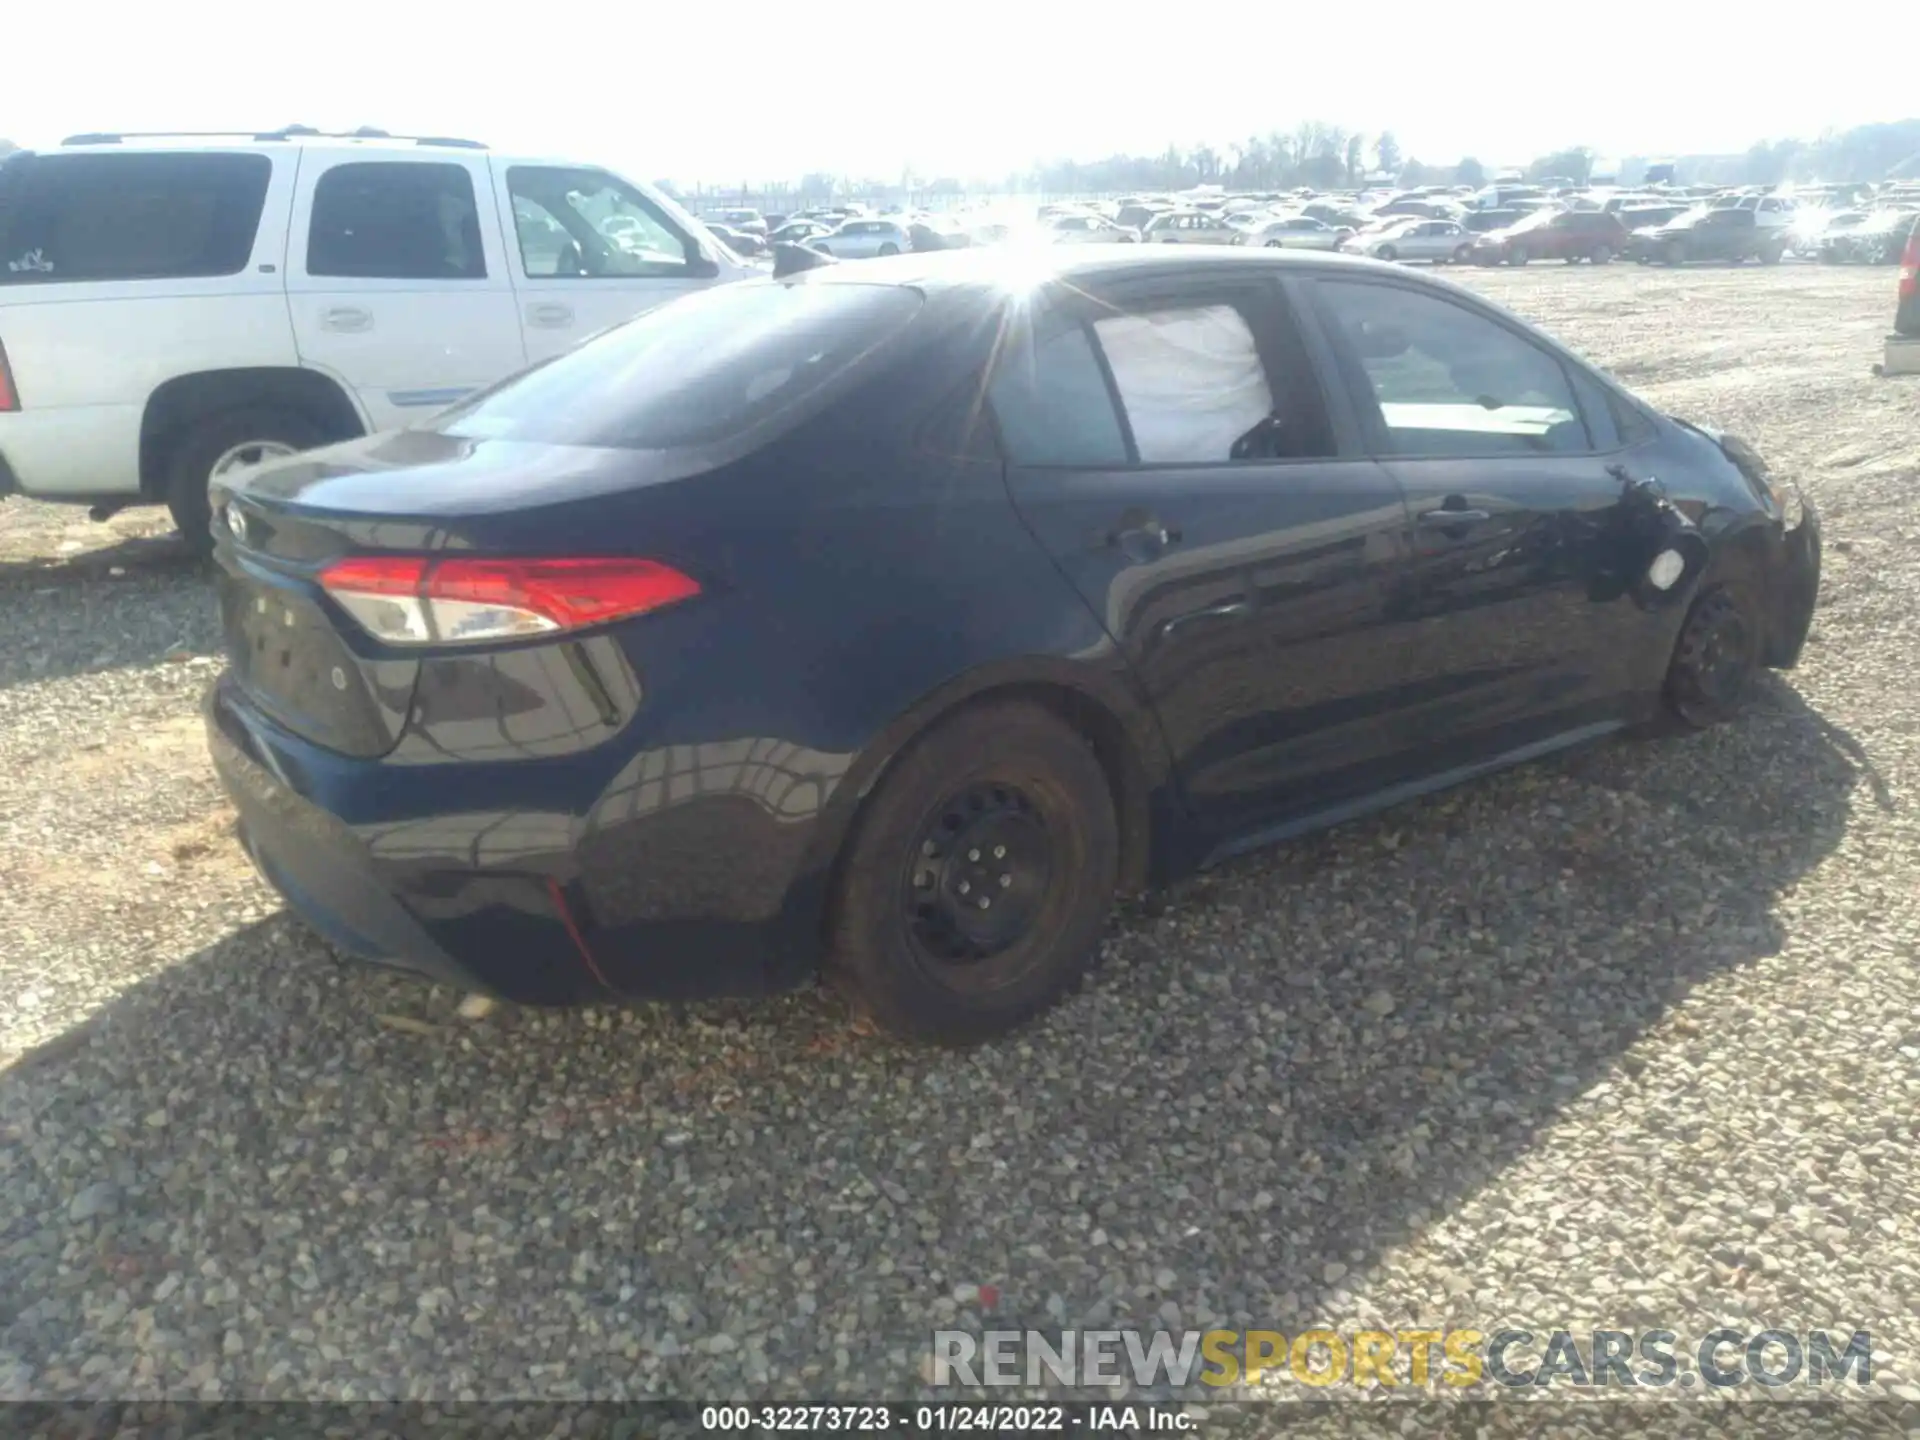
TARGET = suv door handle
(550,317)
(349,319)
(1225,610)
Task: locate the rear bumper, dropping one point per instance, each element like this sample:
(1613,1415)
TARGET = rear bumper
(444,871)
(73,453)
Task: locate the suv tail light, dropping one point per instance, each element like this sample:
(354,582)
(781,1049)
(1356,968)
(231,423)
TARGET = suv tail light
(413,600)
(1909,268)
(9,396)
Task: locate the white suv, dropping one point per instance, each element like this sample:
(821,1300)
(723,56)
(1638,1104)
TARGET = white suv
(175,306)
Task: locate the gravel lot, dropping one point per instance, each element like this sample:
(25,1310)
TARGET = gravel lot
(1627,1039)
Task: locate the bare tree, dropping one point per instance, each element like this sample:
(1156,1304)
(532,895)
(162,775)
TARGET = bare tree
(1386,151)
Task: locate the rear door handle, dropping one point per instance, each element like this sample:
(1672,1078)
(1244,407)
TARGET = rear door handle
(1442,518)
(1136,529)
(348,319)
(550,317)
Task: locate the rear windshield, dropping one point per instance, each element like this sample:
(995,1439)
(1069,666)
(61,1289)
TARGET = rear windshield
(67,218)
(712,365)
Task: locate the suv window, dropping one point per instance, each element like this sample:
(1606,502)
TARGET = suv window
(711,366)
(395,220)
(1447,381)
(590,223)
(130,217)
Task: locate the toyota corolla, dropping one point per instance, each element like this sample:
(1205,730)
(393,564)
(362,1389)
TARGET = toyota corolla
(893,618)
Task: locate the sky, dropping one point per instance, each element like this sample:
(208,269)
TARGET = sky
(732,93)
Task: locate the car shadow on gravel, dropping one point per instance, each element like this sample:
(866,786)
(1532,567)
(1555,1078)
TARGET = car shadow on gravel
(1311,1056)
(144,600)
(158,554)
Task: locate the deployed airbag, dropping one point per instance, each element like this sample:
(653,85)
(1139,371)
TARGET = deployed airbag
(1191,381)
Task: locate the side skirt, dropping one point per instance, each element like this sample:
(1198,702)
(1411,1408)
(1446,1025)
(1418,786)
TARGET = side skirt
(1408,790)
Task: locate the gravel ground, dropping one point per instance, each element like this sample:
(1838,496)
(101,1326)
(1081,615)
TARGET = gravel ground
(1628,1039)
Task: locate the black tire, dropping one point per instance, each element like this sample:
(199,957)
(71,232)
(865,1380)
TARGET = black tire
(1771,255)
(889,249)
(1386,252)
(1601,255)
(1462,254)
(905,942)
(1715,659)
(1674,253)
(1518,255)
(206,441)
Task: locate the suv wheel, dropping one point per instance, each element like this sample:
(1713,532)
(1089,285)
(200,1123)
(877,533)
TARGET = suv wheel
(221,445)
(1518,255)
(1601,255)
(976,884)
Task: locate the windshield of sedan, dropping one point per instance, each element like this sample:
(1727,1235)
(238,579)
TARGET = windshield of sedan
(711,365)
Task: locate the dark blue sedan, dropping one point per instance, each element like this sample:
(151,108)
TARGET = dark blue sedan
(895,617)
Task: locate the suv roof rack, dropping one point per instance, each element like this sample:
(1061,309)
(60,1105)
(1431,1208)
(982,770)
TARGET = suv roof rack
(286,132)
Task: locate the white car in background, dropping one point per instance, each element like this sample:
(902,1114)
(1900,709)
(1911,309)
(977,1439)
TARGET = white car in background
(1191,227)
(1296,232)
(1087,230)
(861,239)
(173,308)
(1439,241)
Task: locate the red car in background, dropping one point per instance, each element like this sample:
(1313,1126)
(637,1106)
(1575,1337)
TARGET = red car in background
(1568,235)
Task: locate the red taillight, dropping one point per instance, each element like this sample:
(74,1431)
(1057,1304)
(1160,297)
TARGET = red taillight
(1909,268)
(411,600)
(9,396)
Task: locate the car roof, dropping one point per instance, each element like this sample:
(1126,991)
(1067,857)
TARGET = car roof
(268,143)
(989,268)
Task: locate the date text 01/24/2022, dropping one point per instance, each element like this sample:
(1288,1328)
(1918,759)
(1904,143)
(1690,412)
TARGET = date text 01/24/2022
(960,1419)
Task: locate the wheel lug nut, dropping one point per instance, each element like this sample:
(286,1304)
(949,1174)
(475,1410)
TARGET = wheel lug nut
(984,902)
(999,852)
(1005,881)
(973,854)
(964,887)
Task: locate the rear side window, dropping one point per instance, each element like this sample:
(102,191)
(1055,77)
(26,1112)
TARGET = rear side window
(395,220)
(67,218)
(1053,406)
(707,367)
(1191,380)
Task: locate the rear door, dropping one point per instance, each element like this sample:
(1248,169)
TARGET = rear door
(1173,449)
(397,280)
(590,250)
(1515,631)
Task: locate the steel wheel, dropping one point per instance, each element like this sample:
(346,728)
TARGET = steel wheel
(978,876)
(1715,659)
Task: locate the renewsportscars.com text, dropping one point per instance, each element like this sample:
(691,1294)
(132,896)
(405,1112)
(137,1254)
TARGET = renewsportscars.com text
(1515,1358)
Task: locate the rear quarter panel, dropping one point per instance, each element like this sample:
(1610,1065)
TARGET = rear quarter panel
(857,583)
